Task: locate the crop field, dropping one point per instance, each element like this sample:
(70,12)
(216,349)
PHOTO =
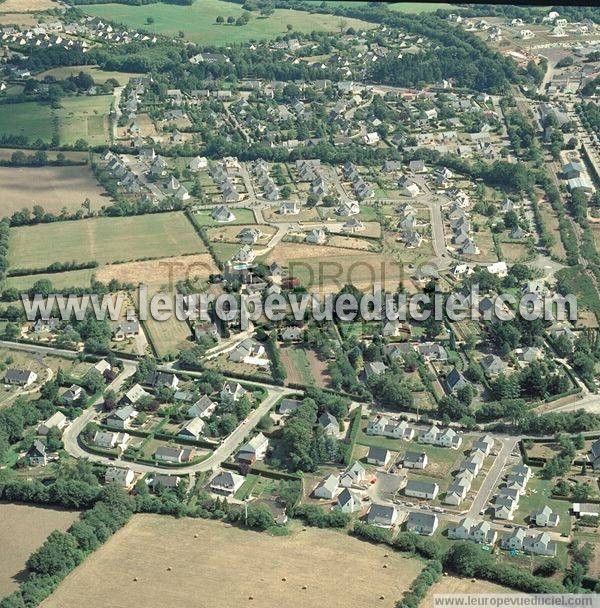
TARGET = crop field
(198,21)
(53,188)
(26,6)
(174,562)
(104,240)
(99,75)
(297,365)
(23,528)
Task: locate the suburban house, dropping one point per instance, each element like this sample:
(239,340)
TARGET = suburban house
(473,463)
(122,418)
(505,507)
(329,423)
(222,214)
(594,455)
(227,482)
(422,489)
(448,438)
(383,516)
(232,392)
(37,455)
(514,540)
(414,460)
(327,488)
(455,380)
(288,406)
(544,517)
(166,453)
(204,408)
(125,329)
(540,544)
(349,501)
(457,491)
(375,368)
(354,475)
(249,351)
(480,532)
(255,449)
(378,456)
(484,444)
(20,377)
(134,394)
(122,477)
(160,379)
(422,523)
(390,427)
(57,421)
(73,393)
(110,440)
(192,428)
(163,481)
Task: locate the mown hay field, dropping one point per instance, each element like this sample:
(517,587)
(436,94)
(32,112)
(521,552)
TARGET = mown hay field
(158,561)
(23,528)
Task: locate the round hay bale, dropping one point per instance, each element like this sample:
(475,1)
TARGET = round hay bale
(382,597)
(385,565)
(169,568)
(135,579)
(284,579)
(304,586)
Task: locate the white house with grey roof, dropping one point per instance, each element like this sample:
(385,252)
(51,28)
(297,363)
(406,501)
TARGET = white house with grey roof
(57,421)
(226,482)
(122,418)
(349,501)
(383,516)
(422,523)
(327,488)
(422,489)
(354,475)
(20,377)
(378,456)
(544,517)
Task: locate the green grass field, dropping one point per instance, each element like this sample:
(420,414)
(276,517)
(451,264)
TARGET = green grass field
(242,216)
(60,280)
(77,118)
(104,240)
(84,118)
(31,119)
(198,21)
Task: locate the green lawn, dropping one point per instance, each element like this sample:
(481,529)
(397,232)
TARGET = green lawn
(299,360)
(242,216)
(31,119)
(198,21)
(104,240)
(60,280)
(537,495)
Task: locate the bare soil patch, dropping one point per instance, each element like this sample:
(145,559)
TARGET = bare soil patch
(23,528)
(164,561)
